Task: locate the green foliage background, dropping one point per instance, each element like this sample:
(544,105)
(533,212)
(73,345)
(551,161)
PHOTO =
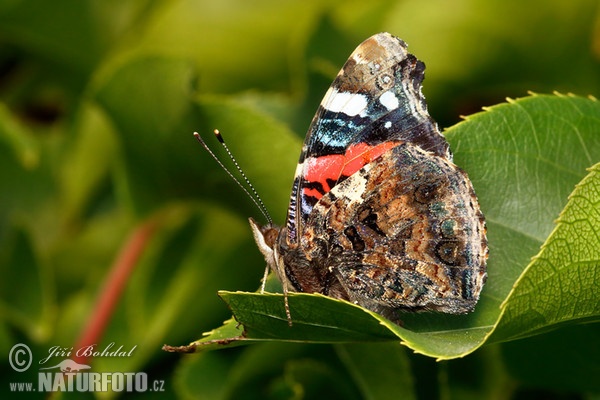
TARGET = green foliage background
(98,100)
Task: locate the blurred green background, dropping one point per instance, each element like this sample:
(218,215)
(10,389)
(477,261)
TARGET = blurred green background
(98,102)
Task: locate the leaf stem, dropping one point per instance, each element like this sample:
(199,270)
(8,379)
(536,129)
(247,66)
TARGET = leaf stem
(113,287)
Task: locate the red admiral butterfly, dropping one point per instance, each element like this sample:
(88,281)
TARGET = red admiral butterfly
(379,215)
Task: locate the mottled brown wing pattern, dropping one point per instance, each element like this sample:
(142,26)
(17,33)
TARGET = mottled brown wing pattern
(404,233)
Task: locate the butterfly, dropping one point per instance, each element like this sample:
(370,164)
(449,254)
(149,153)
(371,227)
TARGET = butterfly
(379,215)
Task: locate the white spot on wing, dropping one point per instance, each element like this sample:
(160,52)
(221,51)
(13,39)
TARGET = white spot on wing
(389,100)
(299,169)
(350,104)
(352,188)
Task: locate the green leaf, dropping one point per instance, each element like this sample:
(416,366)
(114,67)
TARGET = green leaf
(524,158)
(18,140)
(381,370)
(201,376)
(237,45)
(564,359)
(31,306)
(148,127)
(86,164)
(560,286)
(533,154)
(315,318)
(162,160)
(47,31)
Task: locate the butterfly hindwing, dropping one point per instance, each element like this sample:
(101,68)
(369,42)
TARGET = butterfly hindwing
(405,232)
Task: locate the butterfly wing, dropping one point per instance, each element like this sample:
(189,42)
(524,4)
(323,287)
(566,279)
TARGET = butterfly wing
(374,103)
(407,234)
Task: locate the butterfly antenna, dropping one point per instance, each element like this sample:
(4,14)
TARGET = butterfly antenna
(254,196)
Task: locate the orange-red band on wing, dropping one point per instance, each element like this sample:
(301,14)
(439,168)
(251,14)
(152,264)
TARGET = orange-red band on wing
(329,168)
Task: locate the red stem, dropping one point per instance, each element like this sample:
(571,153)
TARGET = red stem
(114,285)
